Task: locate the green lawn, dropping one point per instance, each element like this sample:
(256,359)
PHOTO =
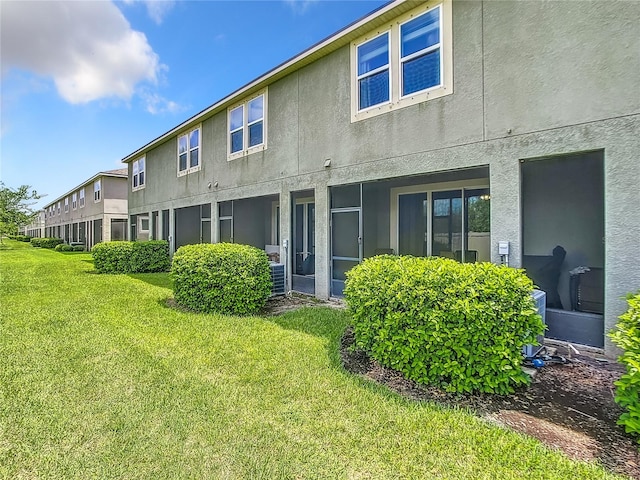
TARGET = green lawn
(99,378)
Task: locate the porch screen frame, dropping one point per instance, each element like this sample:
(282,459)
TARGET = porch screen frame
(429,189)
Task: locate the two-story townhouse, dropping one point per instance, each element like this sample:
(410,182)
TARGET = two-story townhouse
(477,130)
(92,212)
(36,227)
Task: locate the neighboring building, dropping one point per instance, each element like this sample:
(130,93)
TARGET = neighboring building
(35,228)
(437,129)
(94,211)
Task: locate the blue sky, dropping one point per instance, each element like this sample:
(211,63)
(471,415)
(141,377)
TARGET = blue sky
(85,83)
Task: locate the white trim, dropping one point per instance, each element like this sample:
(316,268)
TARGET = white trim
(397,100)
(81,197)
(97,193)
(284,67)
(371,73)
(135,173)
(246,150)
(141,218)
(187,133)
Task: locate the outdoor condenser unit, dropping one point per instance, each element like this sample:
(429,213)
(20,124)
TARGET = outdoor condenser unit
(540,300)
(277,279)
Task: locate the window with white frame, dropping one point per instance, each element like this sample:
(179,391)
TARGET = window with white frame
(374,86)
(137,181)
(407,62)
(97,191)
(188,152)
(81,198)
(247,126)
(58,208)
(74,201)
(66,205)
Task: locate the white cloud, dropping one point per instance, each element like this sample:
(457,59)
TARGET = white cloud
(88,48)
(156,104)
(156,9)
(300,6)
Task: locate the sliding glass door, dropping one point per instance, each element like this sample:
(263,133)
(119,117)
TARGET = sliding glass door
(451,223)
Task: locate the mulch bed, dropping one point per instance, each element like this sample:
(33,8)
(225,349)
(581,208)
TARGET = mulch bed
(568,407)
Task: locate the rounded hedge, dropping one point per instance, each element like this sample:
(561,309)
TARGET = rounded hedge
(222,277)
(131,257)
(46,242)
(627,336)
(63,247)
(458,326)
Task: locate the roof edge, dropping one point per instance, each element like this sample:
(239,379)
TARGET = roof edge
(108,173)
(292,64)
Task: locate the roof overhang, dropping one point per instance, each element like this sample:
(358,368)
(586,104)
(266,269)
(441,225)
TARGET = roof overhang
(330,44)
(85,183)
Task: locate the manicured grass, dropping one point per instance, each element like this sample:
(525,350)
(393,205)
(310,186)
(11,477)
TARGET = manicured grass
(99,378)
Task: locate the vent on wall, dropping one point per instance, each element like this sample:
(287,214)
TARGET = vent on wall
(277,279)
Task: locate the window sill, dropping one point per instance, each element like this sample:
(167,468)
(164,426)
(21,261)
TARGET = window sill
(188,171)
(244,153)
(406,101)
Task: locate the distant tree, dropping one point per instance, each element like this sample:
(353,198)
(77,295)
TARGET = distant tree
(15,208)
(479,215)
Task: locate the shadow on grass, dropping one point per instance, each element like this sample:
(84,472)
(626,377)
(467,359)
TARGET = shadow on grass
(161,279)
(324,322)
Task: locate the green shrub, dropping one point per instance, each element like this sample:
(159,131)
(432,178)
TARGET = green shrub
(151,256)
(63,247)
(222,277)
(131,257)
(627,336)
(78,248)
(22,238)
(457,326)
(112,257)
(46,242)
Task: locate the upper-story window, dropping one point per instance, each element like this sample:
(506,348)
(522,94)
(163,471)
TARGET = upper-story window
(420,41)
(137,181)
(97,191)
(407,62)
(374,86)
(74,201)
(188,152)
(58,208)
(81,197)
(66,205)
(247,126)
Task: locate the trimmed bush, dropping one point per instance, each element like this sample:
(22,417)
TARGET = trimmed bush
(627,336)
(78,248)
(63,247)
(457,326)
(46,242)
(131,257)
(150,256)
(22,238)
(222,277)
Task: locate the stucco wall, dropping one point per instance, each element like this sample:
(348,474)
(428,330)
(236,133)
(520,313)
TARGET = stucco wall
(531,79)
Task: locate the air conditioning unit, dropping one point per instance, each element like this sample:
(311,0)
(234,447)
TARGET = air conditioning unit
(277,279)
(540,300)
